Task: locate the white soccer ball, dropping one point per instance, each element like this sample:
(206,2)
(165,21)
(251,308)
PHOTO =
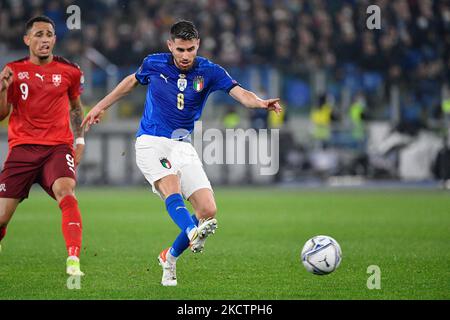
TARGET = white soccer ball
(321,255)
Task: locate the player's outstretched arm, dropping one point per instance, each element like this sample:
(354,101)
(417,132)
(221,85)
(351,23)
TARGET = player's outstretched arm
(122,89)
(251,100)
(76,118)
(6,79)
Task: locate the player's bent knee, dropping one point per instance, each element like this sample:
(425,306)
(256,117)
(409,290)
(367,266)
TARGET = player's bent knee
(63,187)
(63,192)
(208,211)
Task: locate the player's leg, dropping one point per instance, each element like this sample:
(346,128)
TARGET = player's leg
(204,206)
(181,243)
(170,188)
(156,160)
(64,191)
(58,179)
(197,189)
(203,203)
(18,175)
(71,224)
(7,208)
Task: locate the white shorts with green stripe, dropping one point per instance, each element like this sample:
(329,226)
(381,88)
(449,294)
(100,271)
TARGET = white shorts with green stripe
(158,157)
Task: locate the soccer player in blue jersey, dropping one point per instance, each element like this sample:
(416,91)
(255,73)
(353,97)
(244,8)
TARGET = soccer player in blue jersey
(179,84)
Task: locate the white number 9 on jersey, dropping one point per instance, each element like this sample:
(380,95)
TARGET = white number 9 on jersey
(24,89)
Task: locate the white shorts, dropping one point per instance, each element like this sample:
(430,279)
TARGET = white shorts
(158,157)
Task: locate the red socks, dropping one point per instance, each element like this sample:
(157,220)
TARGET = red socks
(2,232)
(71,225)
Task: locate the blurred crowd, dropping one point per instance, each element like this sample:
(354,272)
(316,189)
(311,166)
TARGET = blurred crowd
(300,38)
(297,36)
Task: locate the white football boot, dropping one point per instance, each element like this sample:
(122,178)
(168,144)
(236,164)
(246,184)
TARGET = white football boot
(204,229)
(73,266)
(169,277)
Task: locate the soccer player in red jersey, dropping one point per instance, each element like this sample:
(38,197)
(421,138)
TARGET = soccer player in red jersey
(42,93)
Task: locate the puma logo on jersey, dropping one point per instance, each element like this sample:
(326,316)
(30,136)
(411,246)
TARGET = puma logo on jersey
(2,187)
(39,76)
(74,223)
(164,77)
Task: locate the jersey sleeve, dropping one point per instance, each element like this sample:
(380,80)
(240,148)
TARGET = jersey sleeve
(76,87)
(143,73)
(222,80)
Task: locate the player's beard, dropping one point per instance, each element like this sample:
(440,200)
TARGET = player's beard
(185,67)
(44,58)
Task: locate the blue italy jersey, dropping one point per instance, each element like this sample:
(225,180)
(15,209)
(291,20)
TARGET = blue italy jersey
(175,98)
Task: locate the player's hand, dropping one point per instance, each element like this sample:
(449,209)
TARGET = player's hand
(272,105)
(93,117)
(6,78)
(79,152)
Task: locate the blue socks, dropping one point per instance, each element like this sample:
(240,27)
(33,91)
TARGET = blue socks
(179,213)
(181,243)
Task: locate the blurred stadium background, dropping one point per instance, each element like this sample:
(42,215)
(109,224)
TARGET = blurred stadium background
(361,105)
(364,108)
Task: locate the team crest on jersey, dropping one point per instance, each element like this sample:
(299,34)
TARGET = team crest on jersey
(182,84)
(56,78)
(23,75)
(199,83)
(165,163)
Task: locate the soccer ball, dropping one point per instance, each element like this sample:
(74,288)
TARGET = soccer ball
(321,255)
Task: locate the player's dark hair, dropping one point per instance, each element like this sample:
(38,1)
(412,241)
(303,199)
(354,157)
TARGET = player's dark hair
(184,30)
(46,19)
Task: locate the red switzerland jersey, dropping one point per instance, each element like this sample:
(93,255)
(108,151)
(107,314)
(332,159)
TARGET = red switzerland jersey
(40,98)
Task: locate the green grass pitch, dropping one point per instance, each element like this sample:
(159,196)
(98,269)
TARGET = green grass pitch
(255,253)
